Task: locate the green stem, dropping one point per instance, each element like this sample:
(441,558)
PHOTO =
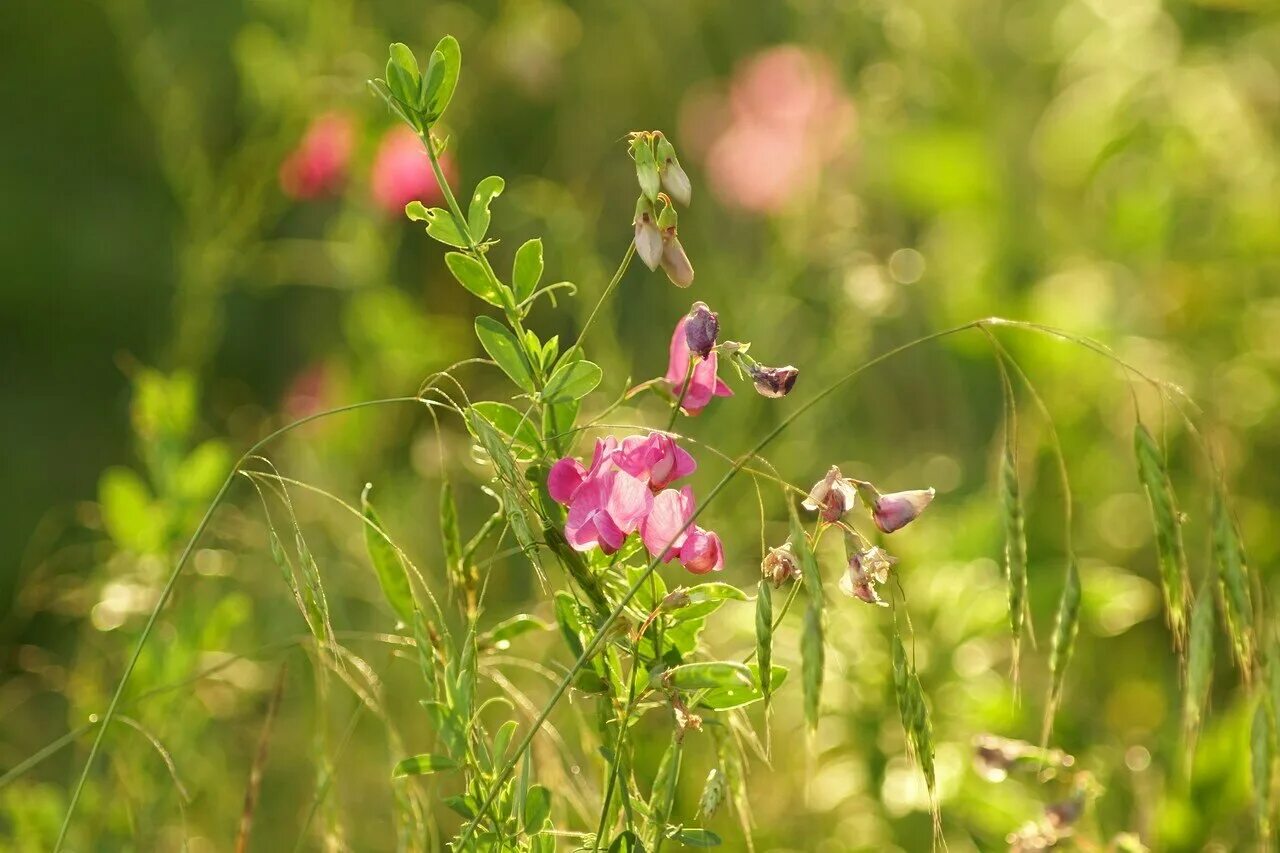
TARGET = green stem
(603,630)
(613,283)
(684,389)
(167,590)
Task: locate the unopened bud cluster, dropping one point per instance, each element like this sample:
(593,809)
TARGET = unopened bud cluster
(663,184)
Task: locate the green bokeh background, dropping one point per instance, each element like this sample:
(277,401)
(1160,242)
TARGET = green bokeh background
(1111,168)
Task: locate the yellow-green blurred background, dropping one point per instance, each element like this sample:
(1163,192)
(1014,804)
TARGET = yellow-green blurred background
(864,171)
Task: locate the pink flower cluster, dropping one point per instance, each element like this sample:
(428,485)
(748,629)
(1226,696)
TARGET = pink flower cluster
(626,491)
(400,173)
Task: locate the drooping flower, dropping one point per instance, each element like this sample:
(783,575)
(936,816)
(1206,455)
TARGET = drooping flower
(780,565)
(648,237)
(666,528)
(701,328)
(831,497)
(318,166)
(402,172)
(867,569)
(898,509)
(655,458)
(704,384)
(702,551)
(674,180)
(773,381)
(675,263)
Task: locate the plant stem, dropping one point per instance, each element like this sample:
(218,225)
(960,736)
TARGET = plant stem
(167,590)
(684,389)
(613,283)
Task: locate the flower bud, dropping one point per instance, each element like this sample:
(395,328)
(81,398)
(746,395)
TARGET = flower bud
(674,180)
(831,497)
(773,381)
(675,263)
(780,565)
(701,328)
(648,236)
(674,600)
(897,509)
(646,164)
(702,552)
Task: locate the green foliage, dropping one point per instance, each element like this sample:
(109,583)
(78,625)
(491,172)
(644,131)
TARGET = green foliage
(1174,582)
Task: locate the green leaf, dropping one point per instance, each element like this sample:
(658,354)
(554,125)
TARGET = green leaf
(441,78)
(420,765)
(706,598)
(502,741)
(572,382)
(914,713)
(393,577)
(1174,577)
(812,658)
(463,805)
(663,794)
(697,676)
(504,632)
(503,347)
(626,842)
(694,837)
(440,224)
(764,633)
(566,610)
(472,275)
(451,536)
(526,272)
(537,808)
(132,521)
(511,422)
(1015,548)
(1262,753)
(727,698)
(402,76)
(808,563)
(557,425)
(478,215)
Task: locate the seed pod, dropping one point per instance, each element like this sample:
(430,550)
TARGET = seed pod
(1168,528)
(713,793)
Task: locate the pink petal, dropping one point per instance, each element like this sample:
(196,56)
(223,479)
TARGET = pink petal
(663,531)
(565,478)
(627,499)
(678,362)
(702,552)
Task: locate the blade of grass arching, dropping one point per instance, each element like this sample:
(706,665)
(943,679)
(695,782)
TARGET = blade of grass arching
(167,590)
(1064,637)
(1015,536)
(1153,472)
(259,762)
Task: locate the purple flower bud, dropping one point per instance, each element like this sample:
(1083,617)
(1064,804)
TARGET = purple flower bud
(675,263)
(774,381)
(831,497)
(701,328)
(780,566)
(648,236)
(897,509)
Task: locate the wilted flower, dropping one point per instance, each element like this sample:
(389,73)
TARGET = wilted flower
(675,263)
(402,172)
(648,236)
(703,384)
(674,600)
(701,329)
(867,569)
(780,565)
(773,381)
(655,458)
(319,164)
(831,497)
(605,503)
(898,509)
(674,180)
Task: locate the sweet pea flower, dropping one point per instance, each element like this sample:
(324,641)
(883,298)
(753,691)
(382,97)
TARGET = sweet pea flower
(701,329)
(656,459)
(568,475)
(402,172)
(664,529)
(318,166)
(779,565)
(702,552)
(704,384)
(605,503)
(831,497)
(898,509)
(773,381)
(867,569)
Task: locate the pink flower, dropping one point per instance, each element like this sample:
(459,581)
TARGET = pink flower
(831,497)
(702,552)
(663,531)
(657,459)
(605,503)
(898,509)
(318,166)
(402,172)
(704,383)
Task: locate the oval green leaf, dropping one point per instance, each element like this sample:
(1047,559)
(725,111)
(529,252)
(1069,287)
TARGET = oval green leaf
(478,215)
(471,274)
(420,765)
(527,270)
(501,345)
(572,381)
(712,674)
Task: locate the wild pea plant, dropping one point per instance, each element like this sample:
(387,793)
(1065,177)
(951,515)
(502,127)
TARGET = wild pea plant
(605,518)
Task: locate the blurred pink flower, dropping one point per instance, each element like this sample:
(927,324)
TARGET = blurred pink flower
(307,392)
(787,116)
(318,165)
(702,551)
(402,173)
(704,384)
